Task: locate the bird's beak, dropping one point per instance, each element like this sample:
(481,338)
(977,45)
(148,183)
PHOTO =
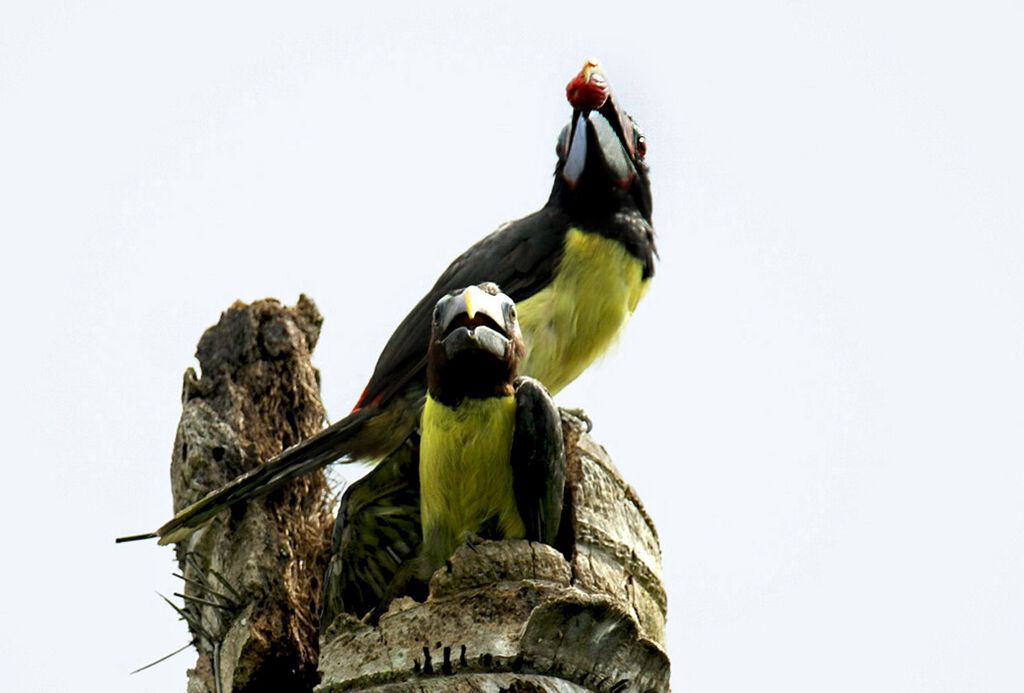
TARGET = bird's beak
(474,320)
(599,133)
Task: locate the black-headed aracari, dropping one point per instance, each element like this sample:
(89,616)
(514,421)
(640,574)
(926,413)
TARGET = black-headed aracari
(491,456)
(576,270)
(491,462)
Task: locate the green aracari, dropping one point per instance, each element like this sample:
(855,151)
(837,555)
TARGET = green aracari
(491,463)
(576,269)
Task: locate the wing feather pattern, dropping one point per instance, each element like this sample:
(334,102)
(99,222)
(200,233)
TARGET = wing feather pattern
(520,257)
(376,532)
(538,461)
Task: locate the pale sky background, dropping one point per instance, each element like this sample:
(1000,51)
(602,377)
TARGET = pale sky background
(819,400)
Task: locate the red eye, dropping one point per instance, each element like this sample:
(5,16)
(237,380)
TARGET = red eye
(641,146)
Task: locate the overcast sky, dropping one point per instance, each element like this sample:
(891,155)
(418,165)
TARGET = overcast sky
(819,400)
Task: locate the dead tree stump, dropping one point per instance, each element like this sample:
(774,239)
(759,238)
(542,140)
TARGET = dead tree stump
(507,616)
(252,577)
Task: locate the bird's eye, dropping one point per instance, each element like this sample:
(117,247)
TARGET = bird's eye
(437,314)
(511,312)
(641,146)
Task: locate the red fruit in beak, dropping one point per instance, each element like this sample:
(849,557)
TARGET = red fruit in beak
(588,90)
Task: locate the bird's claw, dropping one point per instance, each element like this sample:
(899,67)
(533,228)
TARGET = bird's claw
(373,618)
(471,540)
(578,413)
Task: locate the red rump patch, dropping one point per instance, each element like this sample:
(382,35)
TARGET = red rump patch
(372,403)
(588,90)
(359,404)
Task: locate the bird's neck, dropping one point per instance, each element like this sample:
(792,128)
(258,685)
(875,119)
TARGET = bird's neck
(470,375)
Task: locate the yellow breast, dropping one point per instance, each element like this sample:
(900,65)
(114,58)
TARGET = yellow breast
(465,471)
(577,316)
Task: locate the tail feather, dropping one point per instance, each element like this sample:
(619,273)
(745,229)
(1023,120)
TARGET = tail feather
(311,454)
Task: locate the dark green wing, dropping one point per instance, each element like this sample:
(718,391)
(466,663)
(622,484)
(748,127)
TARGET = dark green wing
(520,257)
(377,530)
(538,461)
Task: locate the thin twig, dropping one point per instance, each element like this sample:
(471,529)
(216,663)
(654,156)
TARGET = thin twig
(224,581)
(187,645)
(192,622)
(216,667)
(204,602)
(203,585)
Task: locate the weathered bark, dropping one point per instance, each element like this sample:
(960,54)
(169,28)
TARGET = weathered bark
(252,577)
(509,616)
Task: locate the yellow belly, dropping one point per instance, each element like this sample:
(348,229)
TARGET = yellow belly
(466,473)
(575,318)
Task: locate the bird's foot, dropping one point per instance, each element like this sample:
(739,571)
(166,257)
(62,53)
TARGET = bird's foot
(472,540)
(580,415)
(373,618)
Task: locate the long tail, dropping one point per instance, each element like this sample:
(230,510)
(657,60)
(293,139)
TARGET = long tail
(332,443)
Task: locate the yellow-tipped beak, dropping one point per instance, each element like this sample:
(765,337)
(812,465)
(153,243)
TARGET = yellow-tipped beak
(469,301)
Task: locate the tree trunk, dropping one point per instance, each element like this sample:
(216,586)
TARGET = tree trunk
(511,616)
(252,577)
